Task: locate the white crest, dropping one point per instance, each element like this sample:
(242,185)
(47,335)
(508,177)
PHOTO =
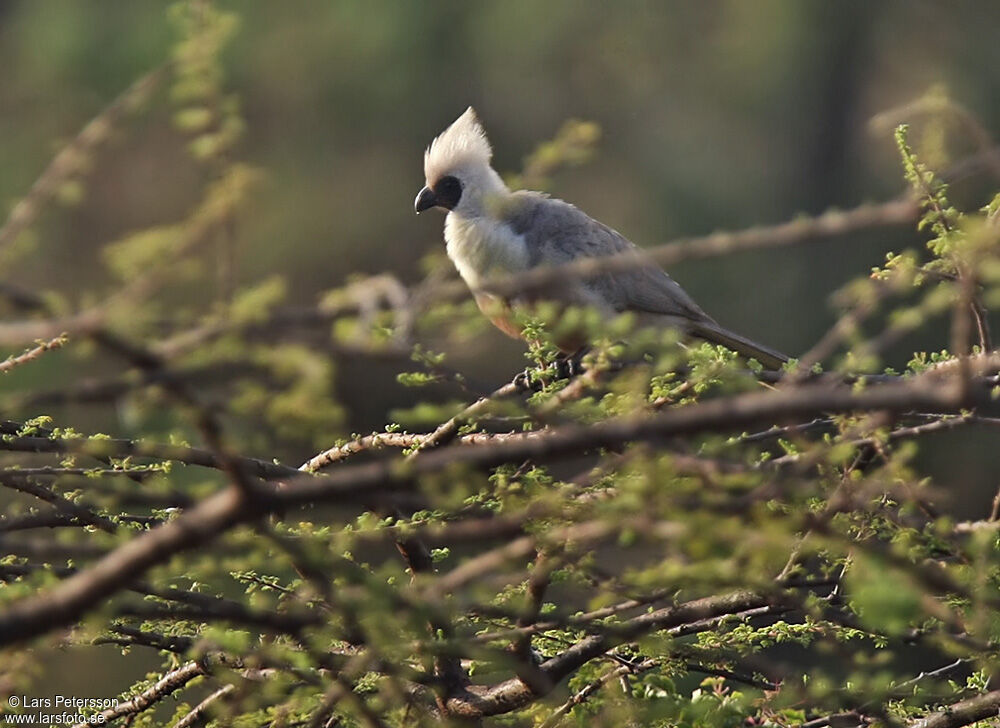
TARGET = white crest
(461,143)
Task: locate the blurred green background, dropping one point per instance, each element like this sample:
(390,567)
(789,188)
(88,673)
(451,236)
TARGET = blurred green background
(719,114)
(714,115)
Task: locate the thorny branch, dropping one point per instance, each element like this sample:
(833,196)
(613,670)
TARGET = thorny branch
(531,648)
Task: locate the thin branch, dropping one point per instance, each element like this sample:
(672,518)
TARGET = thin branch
(120,448)
(537,585)
(575,620)
(72,598)
(56,472)
(514,693)
(178,644)
(223,610)
(963,713)
(835,223)
(65,603)
(169,683)
(829,224)
(592,687)
(198,716)
(734,676)
(447,431)
(375,441)
(361,296)
(12,362)
(70,160)
(944,424)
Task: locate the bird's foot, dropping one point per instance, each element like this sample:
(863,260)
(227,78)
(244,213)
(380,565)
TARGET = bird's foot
(532,379)
(570,366)
(536,378)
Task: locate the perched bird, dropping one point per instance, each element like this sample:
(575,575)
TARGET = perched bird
(491,231)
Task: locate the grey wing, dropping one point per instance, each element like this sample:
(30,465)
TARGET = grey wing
(557,233)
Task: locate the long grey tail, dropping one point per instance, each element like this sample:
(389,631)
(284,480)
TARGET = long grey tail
(712,332)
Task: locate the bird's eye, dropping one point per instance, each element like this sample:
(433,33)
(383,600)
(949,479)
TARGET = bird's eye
(448,192)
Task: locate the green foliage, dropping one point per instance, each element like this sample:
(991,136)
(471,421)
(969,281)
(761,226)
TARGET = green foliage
(574,144)
(808,551)
(205,112)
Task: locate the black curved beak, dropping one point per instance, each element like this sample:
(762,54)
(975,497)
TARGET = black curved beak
(426,199)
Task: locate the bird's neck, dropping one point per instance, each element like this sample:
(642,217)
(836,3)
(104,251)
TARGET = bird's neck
(489,197)
(483,245)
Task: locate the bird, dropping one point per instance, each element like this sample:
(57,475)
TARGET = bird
(490,230)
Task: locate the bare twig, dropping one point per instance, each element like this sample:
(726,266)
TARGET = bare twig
(198,714)
(12,362)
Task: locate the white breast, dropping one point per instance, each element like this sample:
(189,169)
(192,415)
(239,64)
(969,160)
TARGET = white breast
(481,247)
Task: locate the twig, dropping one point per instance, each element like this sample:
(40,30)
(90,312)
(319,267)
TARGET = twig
(584,693)
(901,433)
(64,603)
(31,354)
(369,442)
(169,683)
(71,158)
(508,695)
(901,211)
(963,713)
(62,504)
(197,715)
(445,432)
(537,584)
(119,448)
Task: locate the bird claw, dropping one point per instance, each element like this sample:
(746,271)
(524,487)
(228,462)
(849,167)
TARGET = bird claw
(530,380)
(568,367)
(565,367)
